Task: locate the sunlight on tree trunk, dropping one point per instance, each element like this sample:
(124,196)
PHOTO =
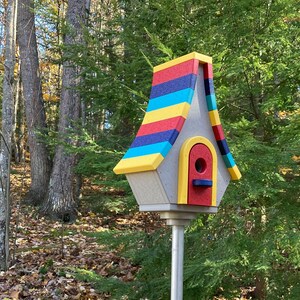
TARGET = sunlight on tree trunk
(6,132)
(19,133)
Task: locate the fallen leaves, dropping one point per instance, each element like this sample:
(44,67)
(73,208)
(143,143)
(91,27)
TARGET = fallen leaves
(45,253)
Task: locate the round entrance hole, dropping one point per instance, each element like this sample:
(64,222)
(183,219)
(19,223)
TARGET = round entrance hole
(200,165)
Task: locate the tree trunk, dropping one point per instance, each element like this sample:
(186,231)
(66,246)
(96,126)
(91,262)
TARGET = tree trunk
(6,133)
(34,106)
(61,200)
(18,126)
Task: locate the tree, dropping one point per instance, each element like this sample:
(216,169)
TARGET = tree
(254,239)
(61,202)
(7,128)
(34,106)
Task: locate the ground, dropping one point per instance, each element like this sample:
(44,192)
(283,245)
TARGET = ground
(44,253)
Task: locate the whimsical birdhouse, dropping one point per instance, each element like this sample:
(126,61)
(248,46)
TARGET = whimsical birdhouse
(180,160)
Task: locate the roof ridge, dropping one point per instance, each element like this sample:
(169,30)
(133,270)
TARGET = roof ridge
(193,55)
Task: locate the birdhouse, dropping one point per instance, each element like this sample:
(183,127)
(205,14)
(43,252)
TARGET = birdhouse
(179,160)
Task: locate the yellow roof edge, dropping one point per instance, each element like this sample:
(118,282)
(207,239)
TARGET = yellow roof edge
(235,173)
(194,55)
(143,163)
(203,58)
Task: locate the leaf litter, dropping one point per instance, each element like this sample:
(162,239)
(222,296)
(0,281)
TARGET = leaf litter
(45,253)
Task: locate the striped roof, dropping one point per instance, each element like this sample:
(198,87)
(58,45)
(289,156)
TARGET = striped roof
(171,95)
(216,123)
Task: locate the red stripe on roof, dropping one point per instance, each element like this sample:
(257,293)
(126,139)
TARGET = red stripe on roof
(182,69)
(218,132)
(163,125)
(208,71)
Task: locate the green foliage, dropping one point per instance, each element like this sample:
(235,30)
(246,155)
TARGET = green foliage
(112,286)
(150,251)
(290,133)
(110,203)
(255,49)
(127,242)
(46,266)
(154,282)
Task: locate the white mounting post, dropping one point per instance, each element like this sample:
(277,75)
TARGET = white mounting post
(177,220)
(177,262)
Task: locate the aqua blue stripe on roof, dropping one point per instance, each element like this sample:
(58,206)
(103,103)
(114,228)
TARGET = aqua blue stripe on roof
(229,161)
(211,102)
(163,136)
(185,95)
(162,148)
(184,82)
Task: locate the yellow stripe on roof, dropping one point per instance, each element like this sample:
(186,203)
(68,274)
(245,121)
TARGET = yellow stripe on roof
(194,55)
(235,173)
(139,164)
(181,109)
(214,117)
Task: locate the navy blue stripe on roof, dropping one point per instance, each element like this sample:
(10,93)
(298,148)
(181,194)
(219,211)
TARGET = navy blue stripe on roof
(184,82)
(223,146)
(209,86)
(169,135)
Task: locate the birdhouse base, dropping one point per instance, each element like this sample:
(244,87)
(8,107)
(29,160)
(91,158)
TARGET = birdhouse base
(174,208)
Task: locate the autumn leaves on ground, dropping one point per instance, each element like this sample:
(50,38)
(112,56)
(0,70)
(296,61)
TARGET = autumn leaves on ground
(46,254)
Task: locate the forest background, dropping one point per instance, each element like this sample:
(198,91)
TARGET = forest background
(75,79)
